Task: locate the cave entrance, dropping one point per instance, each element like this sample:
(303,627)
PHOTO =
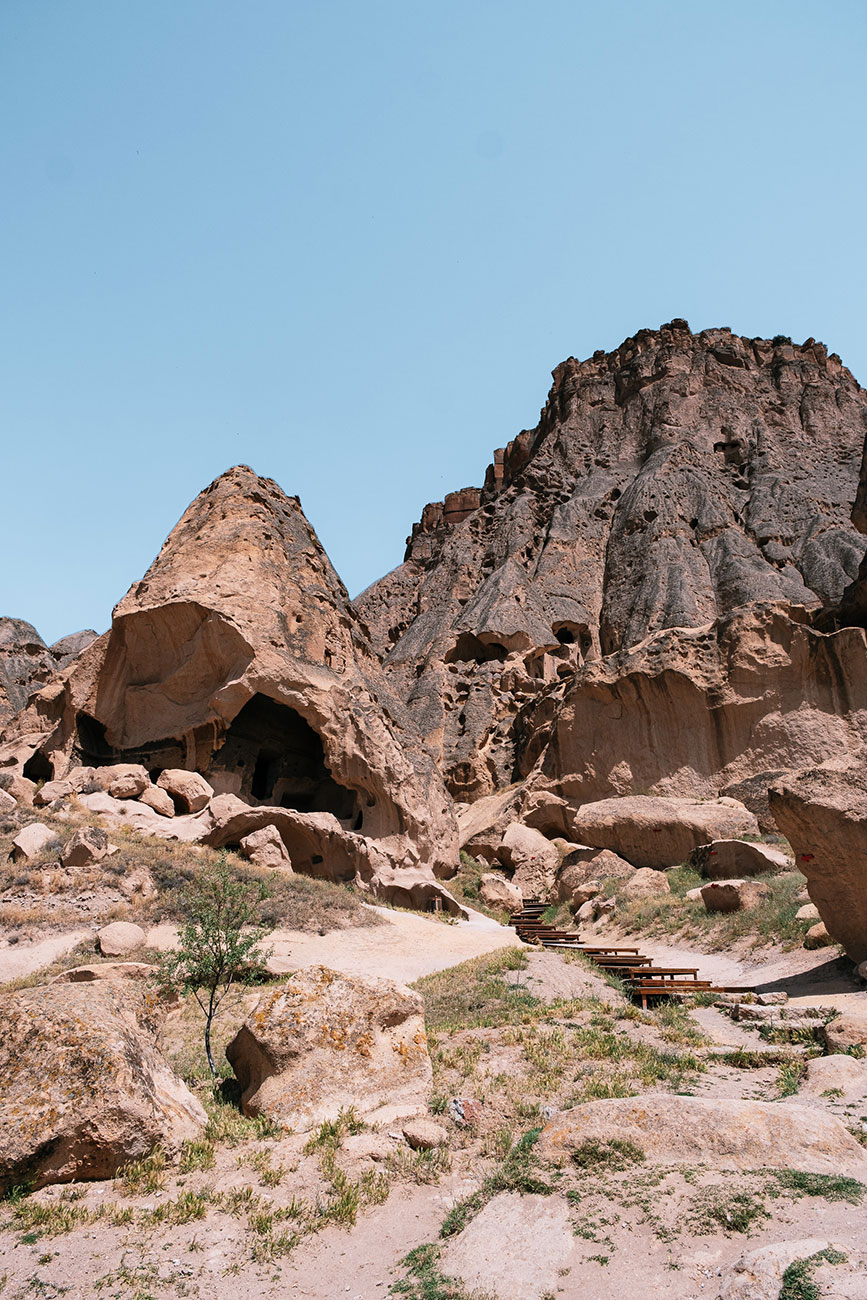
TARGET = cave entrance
(39,767)
(276,757)
(469,649)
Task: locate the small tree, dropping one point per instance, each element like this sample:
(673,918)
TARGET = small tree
(219,941)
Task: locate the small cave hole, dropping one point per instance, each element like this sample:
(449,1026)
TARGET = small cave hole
(469,649)
(38,767)
(359,821)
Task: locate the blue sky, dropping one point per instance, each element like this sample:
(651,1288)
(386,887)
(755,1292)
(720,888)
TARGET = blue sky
(346,243)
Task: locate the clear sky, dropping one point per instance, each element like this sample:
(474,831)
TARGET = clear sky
(346,241)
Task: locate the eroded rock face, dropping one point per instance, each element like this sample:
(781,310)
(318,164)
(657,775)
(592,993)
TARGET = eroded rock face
(83,1089)
(240,658)
(326,1041)
(668,484)
(26,662)
(823,814)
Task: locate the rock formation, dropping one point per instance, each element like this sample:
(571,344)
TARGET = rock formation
(26,662)
(83,1089)
(823,814)
(325,1041)
(240,657)
(648,552)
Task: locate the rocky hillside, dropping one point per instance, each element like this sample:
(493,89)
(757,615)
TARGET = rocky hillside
(684,481)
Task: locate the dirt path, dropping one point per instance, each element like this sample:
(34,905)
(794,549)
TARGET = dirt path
(17,960)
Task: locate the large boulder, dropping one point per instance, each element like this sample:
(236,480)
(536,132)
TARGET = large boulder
(158,800)
(534,860)
(646,883)
(265,848)
(188,790)
(655,832)
(823,815)
(85,847)
(83,1088)
(734,859)
(119,938)
(497,891)
(717,1132)
(31,841)
(734,895)
(239,656)
(324,1041)
(846,1032)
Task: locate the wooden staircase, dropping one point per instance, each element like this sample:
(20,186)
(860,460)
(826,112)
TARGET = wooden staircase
(645,981)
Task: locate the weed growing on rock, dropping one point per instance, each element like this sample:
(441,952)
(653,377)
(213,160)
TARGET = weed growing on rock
(798,1281)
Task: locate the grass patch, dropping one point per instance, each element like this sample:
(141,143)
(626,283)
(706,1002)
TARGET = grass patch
(474,994)
(774,921)
(798,1281)
(718,1209)
(426,1281)
(517,1173)
(616,1154)
(831,1187)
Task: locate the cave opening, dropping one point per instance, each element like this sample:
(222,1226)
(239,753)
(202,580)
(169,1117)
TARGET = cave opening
(276,757)
(38,767)
(469,649)
(93,750)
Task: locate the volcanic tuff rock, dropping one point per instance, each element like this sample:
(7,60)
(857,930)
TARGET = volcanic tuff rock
(324,1041)
(26,662)
(823,814)
(667,484)
(240,656)
(83,1089)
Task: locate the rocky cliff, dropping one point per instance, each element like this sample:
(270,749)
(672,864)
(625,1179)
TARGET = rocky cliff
(671,484)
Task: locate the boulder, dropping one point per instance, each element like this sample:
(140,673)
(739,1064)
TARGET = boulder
(533,859)
(159,800)
(734,859)
(817,936)
(482,824)
(119,938)
(719,1133)
(130,785)
(734,895)
(319,846)
(847,1031)
(830,1073)
(190,790)
(694,895)
(7,802)
(582,894)
(424,1134)
(497,891)
(758,1273)
(649,831)
(823,814)
(325,1041)
(21,790)
(646,883)
(122,780)
(51,792)
(86,846)
(83,1088)
(809,912)
(265,848)
(32,840)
